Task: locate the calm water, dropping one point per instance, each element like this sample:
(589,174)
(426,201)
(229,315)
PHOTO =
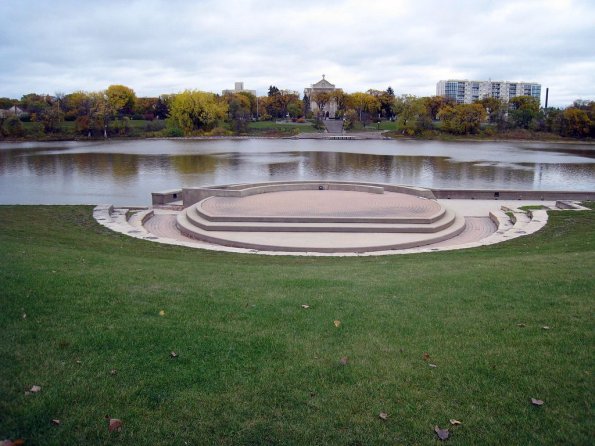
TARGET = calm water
(126,172)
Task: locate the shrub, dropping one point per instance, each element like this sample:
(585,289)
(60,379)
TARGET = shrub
(13,126)
(173,132)
(219,131)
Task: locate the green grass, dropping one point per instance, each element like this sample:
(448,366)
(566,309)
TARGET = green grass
(271,127)
(256,368)
(533,207)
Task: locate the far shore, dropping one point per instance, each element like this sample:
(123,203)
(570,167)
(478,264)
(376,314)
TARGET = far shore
(370,135)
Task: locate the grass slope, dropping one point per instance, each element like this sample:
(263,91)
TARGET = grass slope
(254,367)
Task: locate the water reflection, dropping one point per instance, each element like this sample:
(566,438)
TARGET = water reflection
(122,173)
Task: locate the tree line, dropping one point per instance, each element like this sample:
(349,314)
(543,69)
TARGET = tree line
(191,112)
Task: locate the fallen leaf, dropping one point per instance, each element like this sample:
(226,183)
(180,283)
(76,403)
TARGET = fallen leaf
(161,313)
(56,422)
(35,389)
(78,361)
(113,372)
(455,422)
(19,442)
(173,355)
(337,323)
(113,424)
(536,402)
(426,356)
(383,415)
(442,433)
(305,307)
(433,365)
(24,315)
(545,327)
(344,360)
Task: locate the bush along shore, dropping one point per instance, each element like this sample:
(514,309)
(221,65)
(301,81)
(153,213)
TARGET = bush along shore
(112,340)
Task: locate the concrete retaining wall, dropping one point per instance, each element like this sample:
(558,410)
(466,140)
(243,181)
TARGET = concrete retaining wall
(497,194)
(165,197)
(193,195)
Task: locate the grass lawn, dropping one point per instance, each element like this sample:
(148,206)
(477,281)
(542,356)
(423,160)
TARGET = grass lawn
(262,127)
(374,127)
(254,367)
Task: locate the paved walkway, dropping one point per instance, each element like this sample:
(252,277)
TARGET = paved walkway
(334,126)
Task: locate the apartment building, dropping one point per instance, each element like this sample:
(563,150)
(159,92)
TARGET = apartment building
(466,92)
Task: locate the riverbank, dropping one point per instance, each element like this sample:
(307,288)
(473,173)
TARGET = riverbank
(140,130)
(355,135)
(244,348)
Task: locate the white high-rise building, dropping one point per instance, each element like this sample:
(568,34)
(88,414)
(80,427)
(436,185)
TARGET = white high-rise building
(466,92)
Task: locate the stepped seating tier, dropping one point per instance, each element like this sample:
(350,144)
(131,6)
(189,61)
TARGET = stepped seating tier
(320,220)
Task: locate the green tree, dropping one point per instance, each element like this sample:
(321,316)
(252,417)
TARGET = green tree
(6,103)
(162,106)
(412,115)
(194,110)
(238,106)
(12,126)
(523,110)
(34,104)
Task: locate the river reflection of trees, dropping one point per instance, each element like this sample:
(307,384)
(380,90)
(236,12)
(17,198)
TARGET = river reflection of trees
(86,171)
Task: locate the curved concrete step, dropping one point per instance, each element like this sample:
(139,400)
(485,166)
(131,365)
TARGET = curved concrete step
(206,215)
(326,242)
(194,215)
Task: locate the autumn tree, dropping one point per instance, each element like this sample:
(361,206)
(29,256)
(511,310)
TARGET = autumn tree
(76,105)
(462,119)
(322,98)
(341,98)
(52,117)
(194,110)
(100,112)
(575,123)
(121,99)
(363,103)
(145,108)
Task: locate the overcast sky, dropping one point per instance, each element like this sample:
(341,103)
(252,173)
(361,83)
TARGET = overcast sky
(158,47)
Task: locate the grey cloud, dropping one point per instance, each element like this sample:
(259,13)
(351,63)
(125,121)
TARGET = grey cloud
(166,46)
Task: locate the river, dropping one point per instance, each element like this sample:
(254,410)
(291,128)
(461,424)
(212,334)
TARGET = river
(125,172)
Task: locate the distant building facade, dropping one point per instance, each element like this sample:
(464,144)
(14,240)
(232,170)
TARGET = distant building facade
(12,111)
(322,86)
(466,92)
(239,88)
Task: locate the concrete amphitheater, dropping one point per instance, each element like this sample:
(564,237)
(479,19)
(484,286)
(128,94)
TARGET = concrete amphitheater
(333,218)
